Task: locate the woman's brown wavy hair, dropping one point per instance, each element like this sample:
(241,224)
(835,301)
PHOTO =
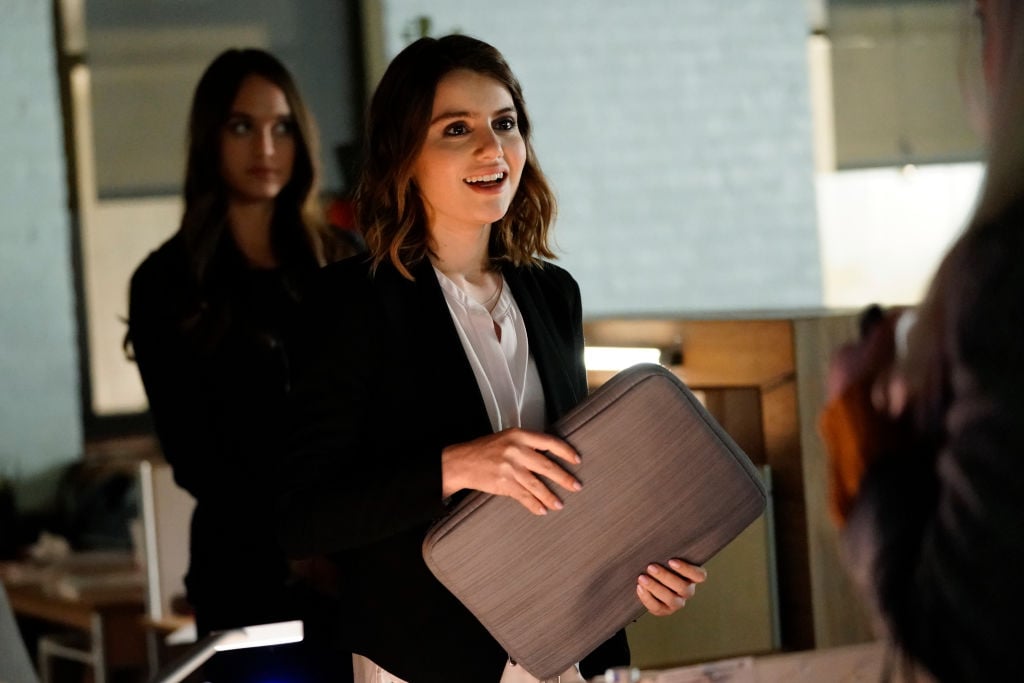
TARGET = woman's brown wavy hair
(388,207)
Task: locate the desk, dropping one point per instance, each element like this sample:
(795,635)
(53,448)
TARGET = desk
(111,622)
(845,664)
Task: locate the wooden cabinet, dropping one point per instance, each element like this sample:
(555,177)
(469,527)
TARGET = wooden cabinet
(762,376)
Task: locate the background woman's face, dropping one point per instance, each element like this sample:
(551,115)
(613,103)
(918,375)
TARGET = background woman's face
(257,144)
(472,159)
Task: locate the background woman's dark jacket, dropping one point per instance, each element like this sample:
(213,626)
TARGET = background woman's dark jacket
(217,385)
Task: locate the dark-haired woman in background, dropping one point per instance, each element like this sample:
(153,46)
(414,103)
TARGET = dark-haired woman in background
(208,321)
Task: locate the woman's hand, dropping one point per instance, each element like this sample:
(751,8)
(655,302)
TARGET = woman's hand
(665,591)
(872,362)
(509,463)
(865,397)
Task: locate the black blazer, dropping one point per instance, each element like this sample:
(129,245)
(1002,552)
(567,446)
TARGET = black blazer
(381,386)
(218,404)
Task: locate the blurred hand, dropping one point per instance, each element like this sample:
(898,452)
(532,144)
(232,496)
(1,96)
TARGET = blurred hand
(862,360)
(664,591)
(509,463)
(865,396)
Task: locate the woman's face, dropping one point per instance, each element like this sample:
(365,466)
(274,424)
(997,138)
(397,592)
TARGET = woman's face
(471,162)
(257,144)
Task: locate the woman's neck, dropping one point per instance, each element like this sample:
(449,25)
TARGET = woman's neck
(249,223)
(461,253)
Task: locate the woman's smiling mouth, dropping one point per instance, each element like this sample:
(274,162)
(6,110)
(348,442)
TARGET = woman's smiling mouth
(486,180)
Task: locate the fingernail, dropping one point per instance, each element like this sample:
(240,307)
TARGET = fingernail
(675,564)
(576,486)
(558,505)
(653,568)
(643,579)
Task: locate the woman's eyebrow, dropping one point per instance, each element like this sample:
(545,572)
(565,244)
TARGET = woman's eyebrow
(463,114)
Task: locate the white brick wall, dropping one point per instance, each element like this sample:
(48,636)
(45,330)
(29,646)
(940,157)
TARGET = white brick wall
(40,424)
(678,136)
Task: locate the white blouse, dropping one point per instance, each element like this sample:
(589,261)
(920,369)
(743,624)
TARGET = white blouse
(512,391)
(505,371)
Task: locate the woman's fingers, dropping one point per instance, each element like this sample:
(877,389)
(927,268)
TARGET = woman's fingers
(538,463)
(511,463)
(693,572)
(528,478)
(553,445)
(869,357)
(525,452)
(664,591)
(538,490)
(529,501)
(842,368)
(666,585)
(654,605)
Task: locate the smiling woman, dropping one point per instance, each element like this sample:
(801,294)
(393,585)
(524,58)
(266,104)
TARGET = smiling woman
(459,330)
(473,144)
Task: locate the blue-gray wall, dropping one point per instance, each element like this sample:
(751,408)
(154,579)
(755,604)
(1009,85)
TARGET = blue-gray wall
(40,425)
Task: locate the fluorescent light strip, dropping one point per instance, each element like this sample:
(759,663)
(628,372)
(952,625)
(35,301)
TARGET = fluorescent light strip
(263,635)
(616,358)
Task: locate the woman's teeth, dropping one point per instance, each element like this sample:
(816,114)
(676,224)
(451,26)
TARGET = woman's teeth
(489,178)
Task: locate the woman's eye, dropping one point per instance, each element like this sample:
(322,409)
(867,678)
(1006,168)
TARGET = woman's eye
(505,124)
(238,126)
(283,128)
(456,129)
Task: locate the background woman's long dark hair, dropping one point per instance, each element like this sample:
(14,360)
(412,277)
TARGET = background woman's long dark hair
(205,220)
(298,230)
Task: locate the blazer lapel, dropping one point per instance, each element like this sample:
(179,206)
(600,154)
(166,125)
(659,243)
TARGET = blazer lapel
(439,370)
(552,357)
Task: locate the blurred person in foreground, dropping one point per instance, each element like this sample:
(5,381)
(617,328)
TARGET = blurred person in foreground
(925,421)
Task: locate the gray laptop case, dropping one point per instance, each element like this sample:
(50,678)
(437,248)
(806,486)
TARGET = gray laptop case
(661,479)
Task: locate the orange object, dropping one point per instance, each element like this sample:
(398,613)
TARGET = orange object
(850,428)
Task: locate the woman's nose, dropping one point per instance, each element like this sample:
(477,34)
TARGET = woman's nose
(490,145)
(264,142)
